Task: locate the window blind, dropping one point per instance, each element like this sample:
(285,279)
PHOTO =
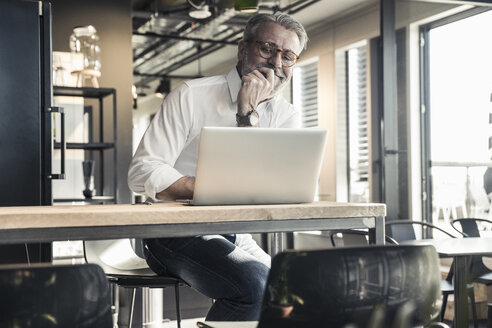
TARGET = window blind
(305,92)
(358,154)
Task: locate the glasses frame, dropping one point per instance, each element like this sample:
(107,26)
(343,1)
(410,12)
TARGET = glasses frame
(259,44)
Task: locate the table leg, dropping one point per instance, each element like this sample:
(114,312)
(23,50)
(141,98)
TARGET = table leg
(460,291)
(276,243)
(379,228)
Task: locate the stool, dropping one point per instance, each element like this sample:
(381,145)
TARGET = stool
(85,74)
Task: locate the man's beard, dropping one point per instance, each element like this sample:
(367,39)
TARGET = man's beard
(279,80)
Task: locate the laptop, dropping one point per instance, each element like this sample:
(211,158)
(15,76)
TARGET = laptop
(245,166)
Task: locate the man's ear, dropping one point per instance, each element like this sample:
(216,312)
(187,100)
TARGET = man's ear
(241,50)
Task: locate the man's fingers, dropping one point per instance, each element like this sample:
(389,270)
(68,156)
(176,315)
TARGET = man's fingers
(262,75)
(267,72)
(258,74)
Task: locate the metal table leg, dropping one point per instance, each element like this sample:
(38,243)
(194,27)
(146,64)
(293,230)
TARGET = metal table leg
(379,228)
(460,291)
(276,243)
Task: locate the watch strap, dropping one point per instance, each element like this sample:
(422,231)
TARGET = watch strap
(245,120)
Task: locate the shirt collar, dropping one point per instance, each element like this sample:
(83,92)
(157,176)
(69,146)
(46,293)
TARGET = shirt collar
(234,82)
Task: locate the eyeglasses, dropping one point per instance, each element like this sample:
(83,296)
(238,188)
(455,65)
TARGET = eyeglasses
(269,49)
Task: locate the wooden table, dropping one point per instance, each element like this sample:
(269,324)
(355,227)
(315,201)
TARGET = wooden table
(461,249)
(75,222)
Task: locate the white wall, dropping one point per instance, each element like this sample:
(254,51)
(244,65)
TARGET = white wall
(324,41)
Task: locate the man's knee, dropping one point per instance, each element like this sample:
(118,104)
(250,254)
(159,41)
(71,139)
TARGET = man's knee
(255,282)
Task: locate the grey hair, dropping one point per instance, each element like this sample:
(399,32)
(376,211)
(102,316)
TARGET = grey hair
(284,20)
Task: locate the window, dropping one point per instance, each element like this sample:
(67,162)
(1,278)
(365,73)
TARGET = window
(305,92)
(352,124)
(457,109)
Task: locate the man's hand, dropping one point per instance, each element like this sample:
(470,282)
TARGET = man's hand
(257,86)
(182,189)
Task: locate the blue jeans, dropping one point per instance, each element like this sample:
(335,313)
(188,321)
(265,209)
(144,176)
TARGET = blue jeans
(231,269)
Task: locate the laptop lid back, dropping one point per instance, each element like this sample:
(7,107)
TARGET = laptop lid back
(258,165)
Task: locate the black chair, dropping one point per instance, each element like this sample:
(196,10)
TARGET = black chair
(54,296)
(125,268)
(402,230)
(469,227)
(352,237)
(365,287)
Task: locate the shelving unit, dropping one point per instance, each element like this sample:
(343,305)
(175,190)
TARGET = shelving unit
(100,146)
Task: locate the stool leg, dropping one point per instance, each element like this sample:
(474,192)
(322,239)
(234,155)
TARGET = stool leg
(474,309)
(94,81)
(115,306)
(178,309)
(489,315)
(444,303)
(131,309)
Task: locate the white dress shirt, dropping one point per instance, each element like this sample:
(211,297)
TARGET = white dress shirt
(169,148)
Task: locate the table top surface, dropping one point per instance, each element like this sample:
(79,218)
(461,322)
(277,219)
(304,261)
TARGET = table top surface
(32,217)
(451,247)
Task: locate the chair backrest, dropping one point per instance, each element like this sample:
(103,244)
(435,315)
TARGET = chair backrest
(349,238)
(469,226)
(402,230)
(352,237)
(54,296)
(370,286)
(116,256)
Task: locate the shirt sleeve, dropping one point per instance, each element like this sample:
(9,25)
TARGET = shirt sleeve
(152,167)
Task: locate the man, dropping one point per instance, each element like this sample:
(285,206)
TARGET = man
(231,269)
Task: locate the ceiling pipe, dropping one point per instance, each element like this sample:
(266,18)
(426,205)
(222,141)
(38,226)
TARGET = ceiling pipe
(147,12)
(299,6)
(195,56)
(167,76)
(184,38)
(292,5)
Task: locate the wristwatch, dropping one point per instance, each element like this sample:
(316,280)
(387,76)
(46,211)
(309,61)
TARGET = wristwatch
(250,119)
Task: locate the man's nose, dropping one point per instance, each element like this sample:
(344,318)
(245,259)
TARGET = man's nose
(276,60)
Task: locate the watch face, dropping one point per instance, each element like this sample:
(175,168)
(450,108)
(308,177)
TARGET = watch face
(254,118)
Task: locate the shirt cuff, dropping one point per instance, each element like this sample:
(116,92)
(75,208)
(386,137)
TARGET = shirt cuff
(160,180)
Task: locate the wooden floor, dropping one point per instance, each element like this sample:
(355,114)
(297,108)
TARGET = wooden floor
(186,323)
(191,323)
(481,324)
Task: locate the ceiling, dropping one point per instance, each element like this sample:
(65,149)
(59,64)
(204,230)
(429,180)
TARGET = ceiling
(169,43)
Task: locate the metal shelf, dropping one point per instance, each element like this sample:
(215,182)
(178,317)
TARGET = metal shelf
(93,200)
(95,148)
(82,92)
(87,146)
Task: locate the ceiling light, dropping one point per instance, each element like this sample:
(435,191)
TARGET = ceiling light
(163,89)
(246,6)
(200,13)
